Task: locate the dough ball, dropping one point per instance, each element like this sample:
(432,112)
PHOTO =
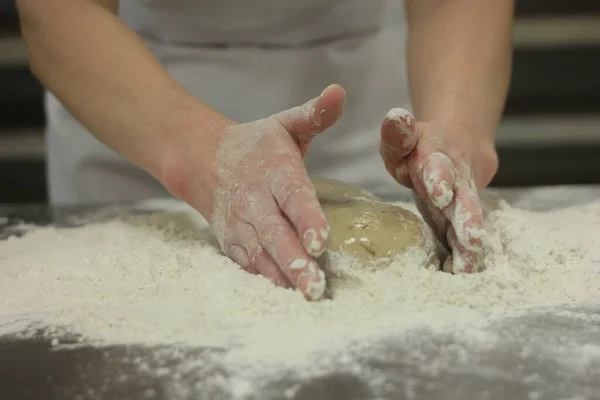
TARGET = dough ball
(365,228)
(330,191)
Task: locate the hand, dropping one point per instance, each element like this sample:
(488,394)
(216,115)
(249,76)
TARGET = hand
(445,170)
(257,196)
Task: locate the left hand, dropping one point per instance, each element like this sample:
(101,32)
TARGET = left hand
(445,168)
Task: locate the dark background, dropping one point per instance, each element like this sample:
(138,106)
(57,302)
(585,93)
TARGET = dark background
(550,133)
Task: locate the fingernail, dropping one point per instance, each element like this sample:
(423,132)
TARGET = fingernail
(403,118)
(312,282)
(299,263)
(313,245)
(398,113)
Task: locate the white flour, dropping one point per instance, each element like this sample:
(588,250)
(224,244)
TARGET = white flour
(161,280)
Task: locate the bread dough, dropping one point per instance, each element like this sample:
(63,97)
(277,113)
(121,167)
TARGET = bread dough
(363,226)
(330,191)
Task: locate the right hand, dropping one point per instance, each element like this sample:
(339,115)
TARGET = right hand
(257,196)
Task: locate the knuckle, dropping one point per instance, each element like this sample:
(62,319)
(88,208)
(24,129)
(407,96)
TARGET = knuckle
(290,194)
(246,203)
(239,205)
(254,251)
(286,168)
(229,250)
(270,230)
(239,255)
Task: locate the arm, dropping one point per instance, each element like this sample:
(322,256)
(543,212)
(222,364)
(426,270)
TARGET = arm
(108,79)
(459,61)
(247,180)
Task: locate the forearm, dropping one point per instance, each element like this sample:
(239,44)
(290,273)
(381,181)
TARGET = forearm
(107,78)
(459,61)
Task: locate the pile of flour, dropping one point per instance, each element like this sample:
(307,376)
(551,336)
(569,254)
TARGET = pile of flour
(160,279)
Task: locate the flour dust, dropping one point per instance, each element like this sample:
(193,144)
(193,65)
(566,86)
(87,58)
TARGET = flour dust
(160,279)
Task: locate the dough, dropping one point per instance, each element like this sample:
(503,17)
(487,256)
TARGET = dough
(331,191)
(364,227)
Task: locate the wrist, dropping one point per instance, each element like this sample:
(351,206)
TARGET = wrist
(475,145)
(186,162)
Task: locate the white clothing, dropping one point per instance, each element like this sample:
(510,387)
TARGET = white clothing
(249,59)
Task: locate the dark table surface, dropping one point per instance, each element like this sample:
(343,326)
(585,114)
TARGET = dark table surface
(544,353)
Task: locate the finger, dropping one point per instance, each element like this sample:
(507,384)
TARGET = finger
(399,137)
(463,260)
(433,178)
(240,256)
(259,260)
(278,238)
(434,218)
(311,280)
(296,197)
(305,121)
(267,267)
(436,179)
(465,214)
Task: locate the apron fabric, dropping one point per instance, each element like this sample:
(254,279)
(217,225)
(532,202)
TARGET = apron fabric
(249,59)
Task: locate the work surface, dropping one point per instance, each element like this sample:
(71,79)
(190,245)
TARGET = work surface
(540,354)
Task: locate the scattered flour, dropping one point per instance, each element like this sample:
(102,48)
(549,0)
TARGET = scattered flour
(160,279)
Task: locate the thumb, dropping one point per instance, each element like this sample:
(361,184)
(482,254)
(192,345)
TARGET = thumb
(315,116)
(399,135)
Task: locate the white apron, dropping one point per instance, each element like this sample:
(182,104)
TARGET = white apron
(249,59)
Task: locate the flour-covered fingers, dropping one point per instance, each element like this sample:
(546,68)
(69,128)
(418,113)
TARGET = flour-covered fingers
(462,260)
(451,206)
(259,259)
(297,199)
(267,267)
(436,177)
(466,237)
(278,238)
